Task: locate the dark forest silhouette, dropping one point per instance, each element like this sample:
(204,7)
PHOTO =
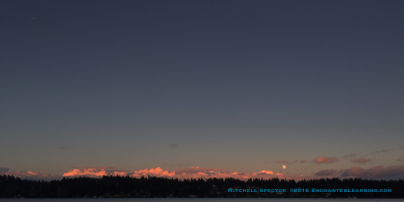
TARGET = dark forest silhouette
(128,187)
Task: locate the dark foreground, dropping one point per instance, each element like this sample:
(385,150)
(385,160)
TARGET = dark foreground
(154,187)
(203,200)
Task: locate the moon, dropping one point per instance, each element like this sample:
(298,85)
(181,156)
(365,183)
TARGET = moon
(284,167)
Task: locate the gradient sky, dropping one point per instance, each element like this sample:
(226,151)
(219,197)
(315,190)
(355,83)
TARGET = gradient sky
(238,85)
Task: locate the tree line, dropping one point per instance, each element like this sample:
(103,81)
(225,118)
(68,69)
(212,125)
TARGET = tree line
(152,187)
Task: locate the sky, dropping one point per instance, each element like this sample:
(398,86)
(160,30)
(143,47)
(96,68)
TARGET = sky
(202,88)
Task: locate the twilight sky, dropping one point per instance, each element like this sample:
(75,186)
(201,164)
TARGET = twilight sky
(202,87)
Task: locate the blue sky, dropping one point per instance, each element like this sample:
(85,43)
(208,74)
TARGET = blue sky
(236,85)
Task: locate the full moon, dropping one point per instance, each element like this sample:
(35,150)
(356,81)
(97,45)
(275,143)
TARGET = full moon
(284,167)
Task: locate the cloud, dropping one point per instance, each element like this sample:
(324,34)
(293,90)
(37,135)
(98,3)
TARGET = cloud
(399,159)
(351,155)
(197,172)
(303,161)
(157,172)
(361,160)
(286,162)
(63,147)
(193,172)
(172,146)
(3,170)
(322,159)
(187,173)
(327,172)
(379,151)
(205,173)
(268,172)
(94,172)
(374,172)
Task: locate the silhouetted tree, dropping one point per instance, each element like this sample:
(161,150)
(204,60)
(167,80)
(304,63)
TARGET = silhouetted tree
(118,186)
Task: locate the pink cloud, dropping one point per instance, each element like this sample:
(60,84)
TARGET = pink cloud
(322,159)
(361,160)
(268,172)
(158,172)
(303,161)
(193,172)
(374,172)
(93,172)
(399,159)
(327,172)
(205,173)
(196,172)
(187,173)
(286,162)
